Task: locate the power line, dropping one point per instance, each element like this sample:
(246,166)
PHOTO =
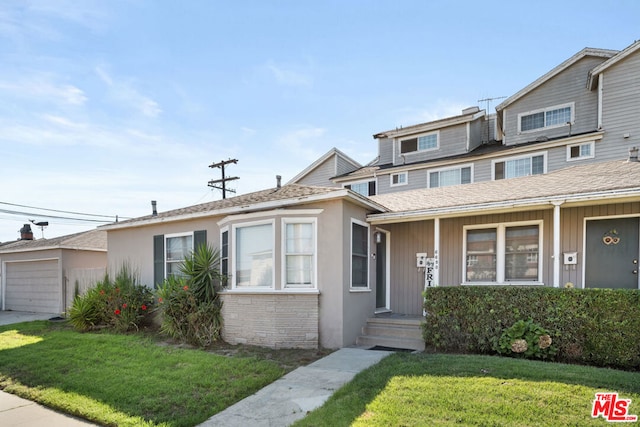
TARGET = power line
(32,214)
(61,211)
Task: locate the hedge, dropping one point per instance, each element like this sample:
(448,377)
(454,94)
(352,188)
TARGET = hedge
(599,327)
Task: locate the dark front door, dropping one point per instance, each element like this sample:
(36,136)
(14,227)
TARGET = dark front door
(611,258)
(381,271)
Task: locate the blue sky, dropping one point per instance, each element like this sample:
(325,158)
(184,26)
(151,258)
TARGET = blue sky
(107,105)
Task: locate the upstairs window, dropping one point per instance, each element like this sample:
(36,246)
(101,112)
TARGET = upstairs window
(555,116)
(519,166)
(580,151)
(399,179)
(419,143)
(366,189)
(446,177)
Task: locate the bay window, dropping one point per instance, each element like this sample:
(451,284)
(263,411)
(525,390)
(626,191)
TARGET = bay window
(253,256)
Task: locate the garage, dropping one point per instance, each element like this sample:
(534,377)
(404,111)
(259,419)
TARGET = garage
(33,286)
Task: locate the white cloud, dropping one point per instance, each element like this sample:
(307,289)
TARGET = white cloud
(42,88)
(129,96)
(439,110)
(290,75)
(300,143)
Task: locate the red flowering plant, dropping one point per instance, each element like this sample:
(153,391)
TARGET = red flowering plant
(189,304)
(113,303)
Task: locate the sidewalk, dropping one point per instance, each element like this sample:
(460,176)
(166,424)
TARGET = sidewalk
(288,399)
(279,404)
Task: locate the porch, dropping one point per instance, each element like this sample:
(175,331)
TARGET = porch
(393,330)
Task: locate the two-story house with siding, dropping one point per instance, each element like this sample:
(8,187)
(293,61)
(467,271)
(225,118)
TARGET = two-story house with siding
(545,191)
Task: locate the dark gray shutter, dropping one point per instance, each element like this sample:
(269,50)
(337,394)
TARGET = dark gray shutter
(158,260)
(348,186)
(372,188)
(199,239)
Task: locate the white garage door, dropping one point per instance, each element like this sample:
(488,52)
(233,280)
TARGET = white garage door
(33,286)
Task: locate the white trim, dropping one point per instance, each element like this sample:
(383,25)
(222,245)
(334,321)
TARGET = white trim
(556,243)
(271,213)
(283,250)
(501,252)
(170,236)
(366,225)
(444,169)
(600,100)
(417,138)
(592,144)
(234,258)
(545,110)
(399,174)
(512,158)
(387,270)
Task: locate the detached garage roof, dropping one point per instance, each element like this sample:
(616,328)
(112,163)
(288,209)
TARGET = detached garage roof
(95,240)
(587,184)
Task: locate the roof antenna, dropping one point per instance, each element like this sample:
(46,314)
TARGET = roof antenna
(41,224)
(488,101)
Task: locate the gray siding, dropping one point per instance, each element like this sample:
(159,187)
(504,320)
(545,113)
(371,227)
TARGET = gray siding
(452,141)
(343,166)
(477,133)
(621,108)
(416,179)
(385,151)
(320,176)
(568,86)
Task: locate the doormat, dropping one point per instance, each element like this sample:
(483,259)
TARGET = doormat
(398,350)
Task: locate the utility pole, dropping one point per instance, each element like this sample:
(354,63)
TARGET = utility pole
(221,184)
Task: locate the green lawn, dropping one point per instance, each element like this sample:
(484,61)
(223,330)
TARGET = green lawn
(124,380)
(442,390)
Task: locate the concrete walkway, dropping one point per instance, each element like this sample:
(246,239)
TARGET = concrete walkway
(279,404)
(288,399)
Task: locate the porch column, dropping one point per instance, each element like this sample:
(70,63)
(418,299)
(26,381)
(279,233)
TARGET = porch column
(556,244)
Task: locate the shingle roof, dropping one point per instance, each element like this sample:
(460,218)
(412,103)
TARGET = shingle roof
(286,195)
(596,178)
(89,240)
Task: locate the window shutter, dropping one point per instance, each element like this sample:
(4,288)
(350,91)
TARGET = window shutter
(158,260)
(348,186)
(372,188)
(199,239)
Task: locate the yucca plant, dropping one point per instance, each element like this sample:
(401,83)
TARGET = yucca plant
(202,272)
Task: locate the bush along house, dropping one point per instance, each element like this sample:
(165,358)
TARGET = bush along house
(543,192)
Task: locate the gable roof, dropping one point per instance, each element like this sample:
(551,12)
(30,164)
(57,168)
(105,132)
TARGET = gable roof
(591,183)
(468,114)
(94,240)
(595,73)
(601,53)
(272,198)
(333,152)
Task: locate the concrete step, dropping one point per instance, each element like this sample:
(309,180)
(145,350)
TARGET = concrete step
(397,331)
(393,342)
(403,321)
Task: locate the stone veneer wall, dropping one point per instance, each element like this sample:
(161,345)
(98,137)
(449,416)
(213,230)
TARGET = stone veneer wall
(276,320)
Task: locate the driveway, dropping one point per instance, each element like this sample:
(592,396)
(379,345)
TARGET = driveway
(9,317)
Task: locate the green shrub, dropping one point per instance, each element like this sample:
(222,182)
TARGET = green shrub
(598,327)
(120,304)
(190,308)
(526,339)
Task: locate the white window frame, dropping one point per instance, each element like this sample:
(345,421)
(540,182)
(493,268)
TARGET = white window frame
(166,247)
(399,183)
(524,156)
(501,252)
(592,149)
(359,288)
(571,105)
(234,246)
(314,255)
(460,167)
(228,257)
(417,137)
(367,181)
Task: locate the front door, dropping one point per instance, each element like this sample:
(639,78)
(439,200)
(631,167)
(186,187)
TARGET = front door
(381,271)
(611,256)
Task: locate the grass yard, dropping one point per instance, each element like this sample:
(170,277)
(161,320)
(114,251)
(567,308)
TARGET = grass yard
(443,390)
(132,380)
